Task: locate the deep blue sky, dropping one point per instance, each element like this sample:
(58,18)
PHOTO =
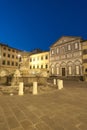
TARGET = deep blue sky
(30,24)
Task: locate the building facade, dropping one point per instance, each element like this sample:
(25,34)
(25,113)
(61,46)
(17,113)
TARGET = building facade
(9,59)
(66,57)
(39,63)
(84,48)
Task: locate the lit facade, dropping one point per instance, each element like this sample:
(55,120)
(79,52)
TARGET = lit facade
(9,59)
(66,57)
(39,63)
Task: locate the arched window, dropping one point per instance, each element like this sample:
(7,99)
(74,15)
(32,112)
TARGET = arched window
(70,70)
(46,66)
(57,70)
(77,69)
(52,70)
(57,50)
(76,45)
(69,47)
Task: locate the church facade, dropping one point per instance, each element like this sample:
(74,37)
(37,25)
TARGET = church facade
(66,57)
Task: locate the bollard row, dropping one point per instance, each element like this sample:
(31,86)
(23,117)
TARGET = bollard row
(20,92)
(57,82)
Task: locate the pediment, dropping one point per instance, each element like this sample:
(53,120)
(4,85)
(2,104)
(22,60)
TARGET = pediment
(65,39)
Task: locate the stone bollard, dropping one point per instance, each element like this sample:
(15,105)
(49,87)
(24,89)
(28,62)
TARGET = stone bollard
(34,88)
(60,84)
(20,89)
(54,81)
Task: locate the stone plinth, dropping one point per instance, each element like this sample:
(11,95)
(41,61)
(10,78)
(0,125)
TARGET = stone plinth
(20,89)
(60,84)
(34,88)
(54,81)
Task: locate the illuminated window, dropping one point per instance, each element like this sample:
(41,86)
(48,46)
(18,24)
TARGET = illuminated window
(57,50)
(4,54)
(57,70)
(3,62)
(13,50)
(20,59)
(12,56)
(62,50)
(9,49)
(37,66)
(52,70)
(12,63)
(70,70)
(41,66)
(33,59)
(52,52)
(69,47)
(77,69)
(46,57)
(8,62)
(34,67)
(41,57)
(4,48)
(37,58)
(46,66)
(9,55)
(76,45)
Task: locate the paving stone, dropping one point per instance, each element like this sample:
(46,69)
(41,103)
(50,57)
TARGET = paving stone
(82,118)
(7,111)
(51,123)
(18,128)
(32,108)
(71,128)
(42,126)
(31,116)
(3,126)
(59,110)
(12,122)
(18,113)
(38,113)
(83,126)
(27,125)
(22,107)
(2,120)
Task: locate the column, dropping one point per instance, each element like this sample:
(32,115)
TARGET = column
(60,84)
(20,89)
(54,81)
(34,88)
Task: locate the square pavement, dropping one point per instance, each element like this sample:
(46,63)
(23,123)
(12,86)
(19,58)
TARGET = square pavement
(64,109)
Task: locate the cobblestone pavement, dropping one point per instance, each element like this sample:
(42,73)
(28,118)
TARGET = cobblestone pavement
(64,109)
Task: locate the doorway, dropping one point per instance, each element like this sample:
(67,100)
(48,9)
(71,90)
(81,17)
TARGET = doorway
(63,72)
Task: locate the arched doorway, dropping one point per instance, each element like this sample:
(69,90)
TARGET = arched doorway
(63,71)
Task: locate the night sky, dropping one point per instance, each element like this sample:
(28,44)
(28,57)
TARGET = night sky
(31,24)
